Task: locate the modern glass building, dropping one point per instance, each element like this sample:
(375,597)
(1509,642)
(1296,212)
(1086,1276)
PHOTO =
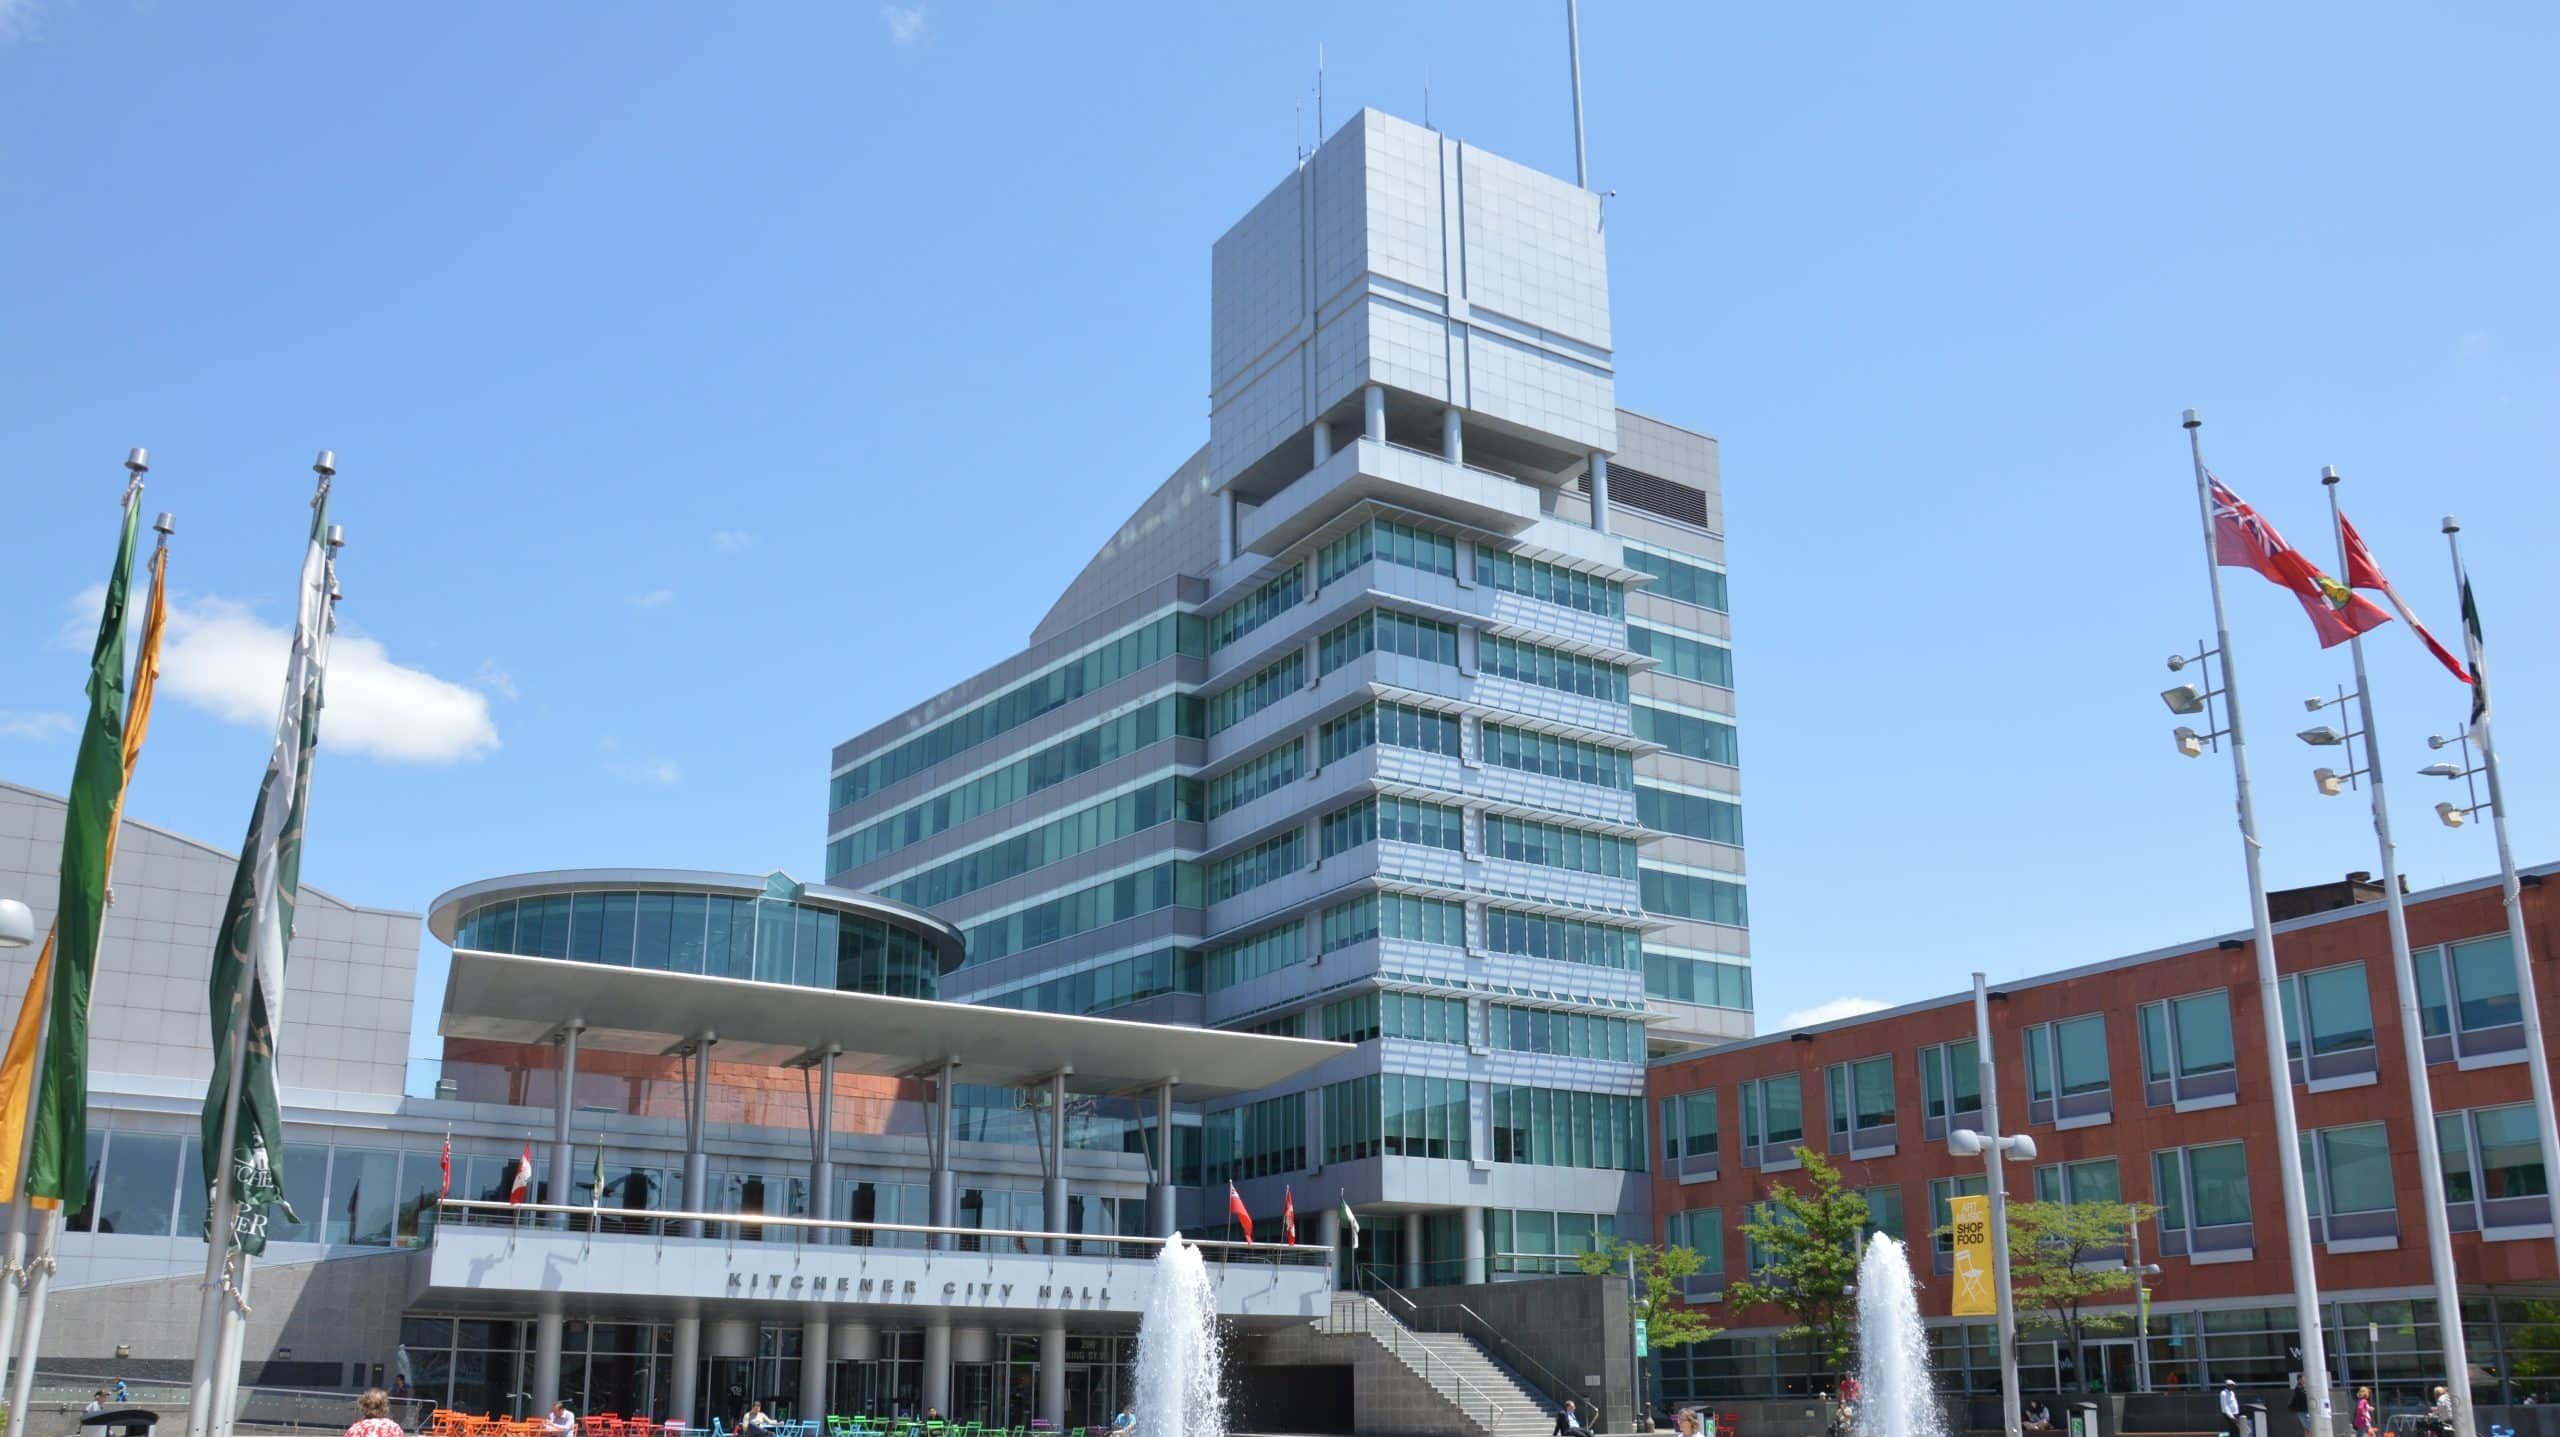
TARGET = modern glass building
(1401,714)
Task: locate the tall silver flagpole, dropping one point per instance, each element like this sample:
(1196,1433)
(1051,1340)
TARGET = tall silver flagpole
(2297,1215)
(2538,1058)
(2413,1038)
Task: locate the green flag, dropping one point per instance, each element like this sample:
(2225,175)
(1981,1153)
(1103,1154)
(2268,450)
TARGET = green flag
(88,824)
(257,924)
(1350,1222)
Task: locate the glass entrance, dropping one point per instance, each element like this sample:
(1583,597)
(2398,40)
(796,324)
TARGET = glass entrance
(2108,1366)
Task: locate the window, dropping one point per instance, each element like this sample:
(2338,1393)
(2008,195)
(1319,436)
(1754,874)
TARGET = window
(1684,656)
(2067,1077)
(1690,735)
(1257,608)
(1395,915)
(1685,893)
(1568,1035)
(2339,1010)
(1081,831)
(1266,952)
(1419,1117)
(1556,1127)
(1701,1230)
(1683,978)
(1386,631)
(1689,813)
(1268,860)
(137,1192)
(1551,669)
(1861,1105)
(1388,542)
(2346,1183)
(1392,820)
(1351,1120)
(1571,588)
(2092,1181)
(1276,681)
(1680,579)
(1523,1240)
(2203,1193)
(1420,1017)
(2494,1177)
(1551,845)
(1772,1120)
(1164,886)
(1569,759)
(1950,1085)
(1110,985)
(1271,772)
(1397,725)
(2467,1001)
(1258,1140)
(1566,940)
(1884,1214)
(1689,1134)
(2186,1051)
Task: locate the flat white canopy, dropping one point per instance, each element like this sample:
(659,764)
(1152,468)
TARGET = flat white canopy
(512,999)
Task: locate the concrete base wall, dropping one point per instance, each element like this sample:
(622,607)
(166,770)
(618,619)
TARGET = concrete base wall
(330,1316)
(1388,1399)
(1577,1327)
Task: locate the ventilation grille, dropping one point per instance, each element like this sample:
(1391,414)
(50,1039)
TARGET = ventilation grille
(1636,489)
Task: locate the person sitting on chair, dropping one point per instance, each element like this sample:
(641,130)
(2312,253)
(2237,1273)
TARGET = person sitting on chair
(755,1420)
(1124,1424)
(562,1422)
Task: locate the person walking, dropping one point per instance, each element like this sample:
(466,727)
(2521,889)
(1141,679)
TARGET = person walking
(2298,1402)
(2362,1420)
(373,1416)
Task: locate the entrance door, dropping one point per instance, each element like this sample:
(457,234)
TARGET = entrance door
(1080,1397)
(2109,1366)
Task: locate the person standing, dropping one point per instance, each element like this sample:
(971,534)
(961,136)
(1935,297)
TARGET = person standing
(2229,1400)
(2298,1402)
(2362,1421)
(373,1416)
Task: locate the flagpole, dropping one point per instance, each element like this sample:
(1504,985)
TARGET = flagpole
(2297,1216)
(2537,1057)
(13,1258)
(2413,1038)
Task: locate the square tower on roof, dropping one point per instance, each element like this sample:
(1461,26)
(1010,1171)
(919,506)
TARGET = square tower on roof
(1449,276)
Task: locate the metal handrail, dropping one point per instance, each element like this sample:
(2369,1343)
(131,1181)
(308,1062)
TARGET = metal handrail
(1396,1338)
(1557,1388)
(259,1406)
(1279,1253)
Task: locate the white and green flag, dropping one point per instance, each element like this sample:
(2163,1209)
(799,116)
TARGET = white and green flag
(257,925)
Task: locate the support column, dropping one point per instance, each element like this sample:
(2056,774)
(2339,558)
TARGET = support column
(1473,1217)
(562,1157)
(1053,1184)
(1053,1372)
(546,1362)
(1412,1251)
(813,1371)
(1226,526)
(1166,1215)
(1599,491)
(937,1366)
(697,1165)
(681,1384)
(1453,443)
(946,1196)
(1373,413)
(822,1158)
(1329,1232)
(1324,440)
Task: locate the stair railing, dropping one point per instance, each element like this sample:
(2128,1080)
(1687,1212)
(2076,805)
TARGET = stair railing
(1472,1324)
(1365,1316)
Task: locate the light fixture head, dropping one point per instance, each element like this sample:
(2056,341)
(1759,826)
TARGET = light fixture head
(2019,1147)
(2451,815)
(2189,742)
(2184,699)
(2328,780)
(2314,705)
(17,924)
(2177,662)
(2440,770)
(2437,740)
(1965,1143)
(2322,737)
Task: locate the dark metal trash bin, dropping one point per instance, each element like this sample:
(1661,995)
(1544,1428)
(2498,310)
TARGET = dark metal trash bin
(123,1421)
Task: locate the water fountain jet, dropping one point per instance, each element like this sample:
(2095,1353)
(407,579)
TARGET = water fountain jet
(1178,1379)
(1895,1398)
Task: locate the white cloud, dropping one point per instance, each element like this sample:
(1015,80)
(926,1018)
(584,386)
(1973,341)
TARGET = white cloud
(660,771)
(906,22)
(495,679)
(38,726)
(733,541)
(17,19)
(1830,1011)
(654,599)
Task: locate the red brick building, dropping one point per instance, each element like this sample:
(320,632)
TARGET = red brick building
(2144,1079)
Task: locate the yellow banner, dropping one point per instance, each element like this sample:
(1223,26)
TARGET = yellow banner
(18,1066)
(1971,1219)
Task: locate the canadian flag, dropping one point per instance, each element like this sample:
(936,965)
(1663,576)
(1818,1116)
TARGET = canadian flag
(522,1187)
(2364,573)
(1288,1217)
(1236,1210)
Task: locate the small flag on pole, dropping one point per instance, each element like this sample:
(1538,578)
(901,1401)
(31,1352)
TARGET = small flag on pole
(1288,1216)
(1236,1210)
(444,1169)
(2471,645)
(1350,1222)
(520,1186)
(2364,573)
(2243,539)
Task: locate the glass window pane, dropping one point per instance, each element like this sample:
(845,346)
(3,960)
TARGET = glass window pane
(2453,1146)
(2341,1009)
(2484,975)
(2080,1050)
(2155,1043)
(2359,1163)
(2094,1181)
(363,1194)
(2433,1015)
(141,1186)
(2169,1189)
(1783,1113)
(2510,1154)
(2220,1177)
(2204,1033)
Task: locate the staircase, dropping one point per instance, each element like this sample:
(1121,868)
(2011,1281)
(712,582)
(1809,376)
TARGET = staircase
(1492,1400)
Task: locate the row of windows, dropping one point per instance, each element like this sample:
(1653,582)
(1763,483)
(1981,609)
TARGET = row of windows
(1553,846)
(1096,668)
(1386,631)
(1266,952)
(1528,1240)
(1267,774)
(1279,679)
(1398,1115)
(1683,657)
(1389,542)
(1396,725)
(1259,1140)
(1695,895)
(1561,1128)
(769,940)
(1064,837)
(1166,885)
(1691,815)
(1173,716)
(1688,735)
(1568,940)
(1567,1035)
(1697,980)
(1395,915)
(1393,820)
(1257,608)
(1673,579)
(1419,1017)
(1270,859)
(1571,588)
(1551,669)
(1565,758)
(1097,990)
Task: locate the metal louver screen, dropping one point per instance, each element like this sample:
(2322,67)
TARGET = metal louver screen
(1639,490)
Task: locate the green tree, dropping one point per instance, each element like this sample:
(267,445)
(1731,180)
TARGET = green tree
(1667,1322)
(2066,1257)
(1808,1242)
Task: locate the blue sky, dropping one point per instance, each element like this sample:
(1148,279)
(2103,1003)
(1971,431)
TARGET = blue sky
(678,358)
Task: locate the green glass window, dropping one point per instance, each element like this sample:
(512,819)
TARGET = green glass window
(2356,1163)
(1685,979)
(1569,759)
(2219,1178)
(1684,656)
(1692,815)
(1241,701)
(1537,579)
(1257,608)
(1695,895)
(2484,974)
(1267,774)
(1566,940)
(1386,631)
(1689,735)
(1551,668)
(1679,579)
(2080,1046)
(2510,1153)
(1551,845)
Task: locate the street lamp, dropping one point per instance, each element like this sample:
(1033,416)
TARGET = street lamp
(1992,1147)
(17,925)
